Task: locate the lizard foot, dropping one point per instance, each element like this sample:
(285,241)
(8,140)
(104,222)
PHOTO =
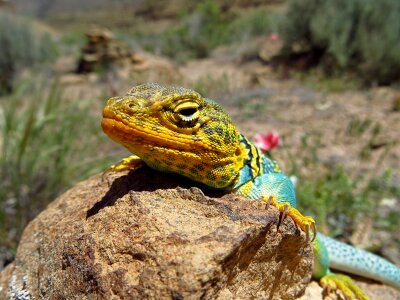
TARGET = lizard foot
(128,163)
(304,222)
(342,285)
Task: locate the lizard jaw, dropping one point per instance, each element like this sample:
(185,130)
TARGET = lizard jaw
(129,136)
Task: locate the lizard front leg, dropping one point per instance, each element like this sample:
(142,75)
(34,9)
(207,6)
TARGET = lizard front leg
(304,222)
(128,163)
(277,189)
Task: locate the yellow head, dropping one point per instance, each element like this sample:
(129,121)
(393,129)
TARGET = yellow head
(176,130)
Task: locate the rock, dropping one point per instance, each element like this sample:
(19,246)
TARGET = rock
(102,52)
(148,235)
(313,291)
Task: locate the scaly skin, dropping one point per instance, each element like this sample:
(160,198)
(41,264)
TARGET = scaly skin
(176,130)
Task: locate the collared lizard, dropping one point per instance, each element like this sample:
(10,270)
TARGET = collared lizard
(176,130)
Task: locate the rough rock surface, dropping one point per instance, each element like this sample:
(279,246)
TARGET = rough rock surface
(149,235)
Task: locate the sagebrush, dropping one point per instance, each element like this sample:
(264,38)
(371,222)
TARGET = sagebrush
(21,47)
(361,36)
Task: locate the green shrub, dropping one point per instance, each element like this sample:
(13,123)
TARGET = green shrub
(46,145)
(20,47)
(339,200)
(333,198)
(208,27)
(357,35)
(198,33)
(333,195)
(253,23)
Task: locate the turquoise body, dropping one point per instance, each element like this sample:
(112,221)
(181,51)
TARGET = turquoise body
(266,180)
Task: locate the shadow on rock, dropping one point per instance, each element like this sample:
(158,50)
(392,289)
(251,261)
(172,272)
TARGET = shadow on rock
(144,179)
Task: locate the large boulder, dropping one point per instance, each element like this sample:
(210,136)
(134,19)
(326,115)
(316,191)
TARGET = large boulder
(148,235)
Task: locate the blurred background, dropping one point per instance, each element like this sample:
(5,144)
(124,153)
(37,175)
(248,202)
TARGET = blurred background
(318,80)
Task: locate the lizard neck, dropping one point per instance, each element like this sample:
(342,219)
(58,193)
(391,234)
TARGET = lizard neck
(253,165)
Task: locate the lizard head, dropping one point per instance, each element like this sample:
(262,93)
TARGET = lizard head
(177,130)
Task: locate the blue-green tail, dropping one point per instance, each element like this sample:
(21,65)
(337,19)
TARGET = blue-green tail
(356,261)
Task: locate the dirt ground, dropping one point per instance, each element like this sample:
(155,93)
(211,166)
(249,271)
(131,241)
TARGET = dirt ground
(357,129)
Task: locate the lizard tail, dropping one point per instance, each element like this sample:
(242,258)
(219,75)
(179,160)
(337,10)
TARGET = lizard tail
(359,262)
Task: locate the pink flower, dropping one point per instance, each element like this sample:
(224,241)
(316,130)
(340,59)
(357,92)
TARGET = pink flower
(274,37)
(267,141)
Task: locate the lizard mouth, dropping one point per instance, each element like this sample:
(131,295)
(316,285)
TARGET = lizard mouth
(134,135)
(117,130)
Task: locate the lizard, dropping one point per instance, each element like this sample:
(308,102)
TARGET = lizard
(176,130)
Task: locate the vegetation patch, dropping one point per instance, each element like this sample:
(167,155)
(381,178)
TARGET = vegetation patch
(208,27)
(357,35)
(21,47)
(46,145)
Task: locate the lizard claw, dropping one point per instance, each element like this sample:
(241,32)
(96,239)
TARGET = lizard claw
(127,163)
(342,285)
(283,214)
(313,229)
(304,222)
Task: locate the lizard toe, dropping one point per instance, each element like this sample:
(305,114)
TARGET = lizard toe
(128,163)
(343,286)
(304,222)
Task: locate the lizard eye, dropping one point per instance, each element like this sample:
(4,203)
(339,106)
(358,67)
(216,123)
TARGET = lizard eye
(187,112)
